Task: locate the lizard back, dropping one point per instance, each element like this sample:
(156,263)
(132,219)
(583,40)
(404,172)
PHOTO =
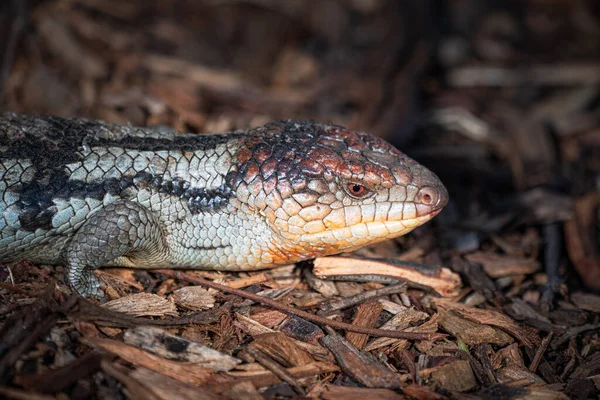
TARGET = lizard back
(55,172)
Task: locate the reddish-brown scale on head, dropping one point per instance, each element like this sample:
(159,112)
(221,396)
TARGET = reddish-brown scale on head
(323,189)
(251,171)
(325,156)
(311,167)
(269,167)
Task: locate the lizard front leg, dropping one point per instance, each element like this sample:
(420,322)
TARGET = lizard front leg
(120,229)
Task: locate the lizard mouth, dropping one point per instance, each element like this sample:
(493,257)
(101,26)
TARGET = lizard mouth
(355,236)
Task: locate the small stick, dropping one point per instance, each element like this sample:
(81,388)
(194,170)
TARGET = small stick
(302,314)
(540,353)
(328,308)
(275,368)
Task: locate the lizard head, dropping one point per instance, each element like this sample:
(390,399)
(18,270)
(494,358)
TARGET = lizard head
(323,189)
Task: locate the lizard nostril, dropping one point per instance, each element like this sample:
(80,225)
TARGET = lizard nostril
(428,196)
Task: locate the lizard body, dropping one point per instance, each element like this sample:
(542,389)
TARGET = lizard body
(88,194)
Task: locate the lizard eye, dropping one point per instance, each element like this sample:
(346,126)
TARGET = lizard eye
(357,190)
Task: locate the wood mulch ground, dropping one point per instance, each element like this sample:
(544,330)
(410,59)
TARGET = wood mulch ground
(499,98)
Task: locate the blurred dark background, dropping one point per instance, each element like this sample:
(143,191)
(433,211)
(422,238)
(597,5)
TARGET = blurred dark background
(500,98)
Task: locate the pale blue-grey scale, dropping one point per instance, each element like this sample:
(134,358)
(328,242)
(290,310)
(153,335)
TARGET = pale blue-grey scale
(51,143)
(30,208)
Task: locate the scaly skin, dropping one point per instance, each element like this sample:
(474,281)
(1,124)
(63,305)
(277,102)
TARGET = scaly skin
(91,194)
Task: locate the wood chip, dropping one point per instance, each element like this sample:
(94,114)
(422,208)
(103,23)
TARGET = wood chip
(269,318)
(261,378)
(247,281)
(326,288)
(255,329)
(194,298)
(586,301)
(401,321)
(526,335)
(301,329)
(177,348)
(335,392)
(498,265)
(242,390)
(366,316)
(282,349)
(442,280)
(470,332)
(509,355)
(64,44)
(361,366)
(183,372)
(168,388)
(512,373)
(581,237)
(456,376)
(143,305)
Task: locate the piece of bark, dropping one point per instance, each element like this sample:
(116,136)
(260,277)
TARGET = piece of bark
(456,376)
(361,366)
(589,366)
(269,318)
(194,298)
(349,289)
(276,369)
(586,301)
(227,84)
(470,332)
(326,288)
(509,355)
(568,316)
(266,378)
(23,329)
(566,335)
(475,276)
(401,321)
(281,349)
(295,68)
(414,391)
(172,347)
(335,392)
(482,353)
(366,316)
(131,387)
(498,265)
(242,390)
(56,380)
(247,281)
(437,349)
(19,394)
(581,237)
(442,280)
(251,326)
(511,373)
(516,392)
(64,44)
(330,307)
(183,372)
(522,310)
(301,329)
(101,316)
(143,305)
(566,74)
(526,335)
(254,328)
(167,388)
(391,307)
(539,353)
